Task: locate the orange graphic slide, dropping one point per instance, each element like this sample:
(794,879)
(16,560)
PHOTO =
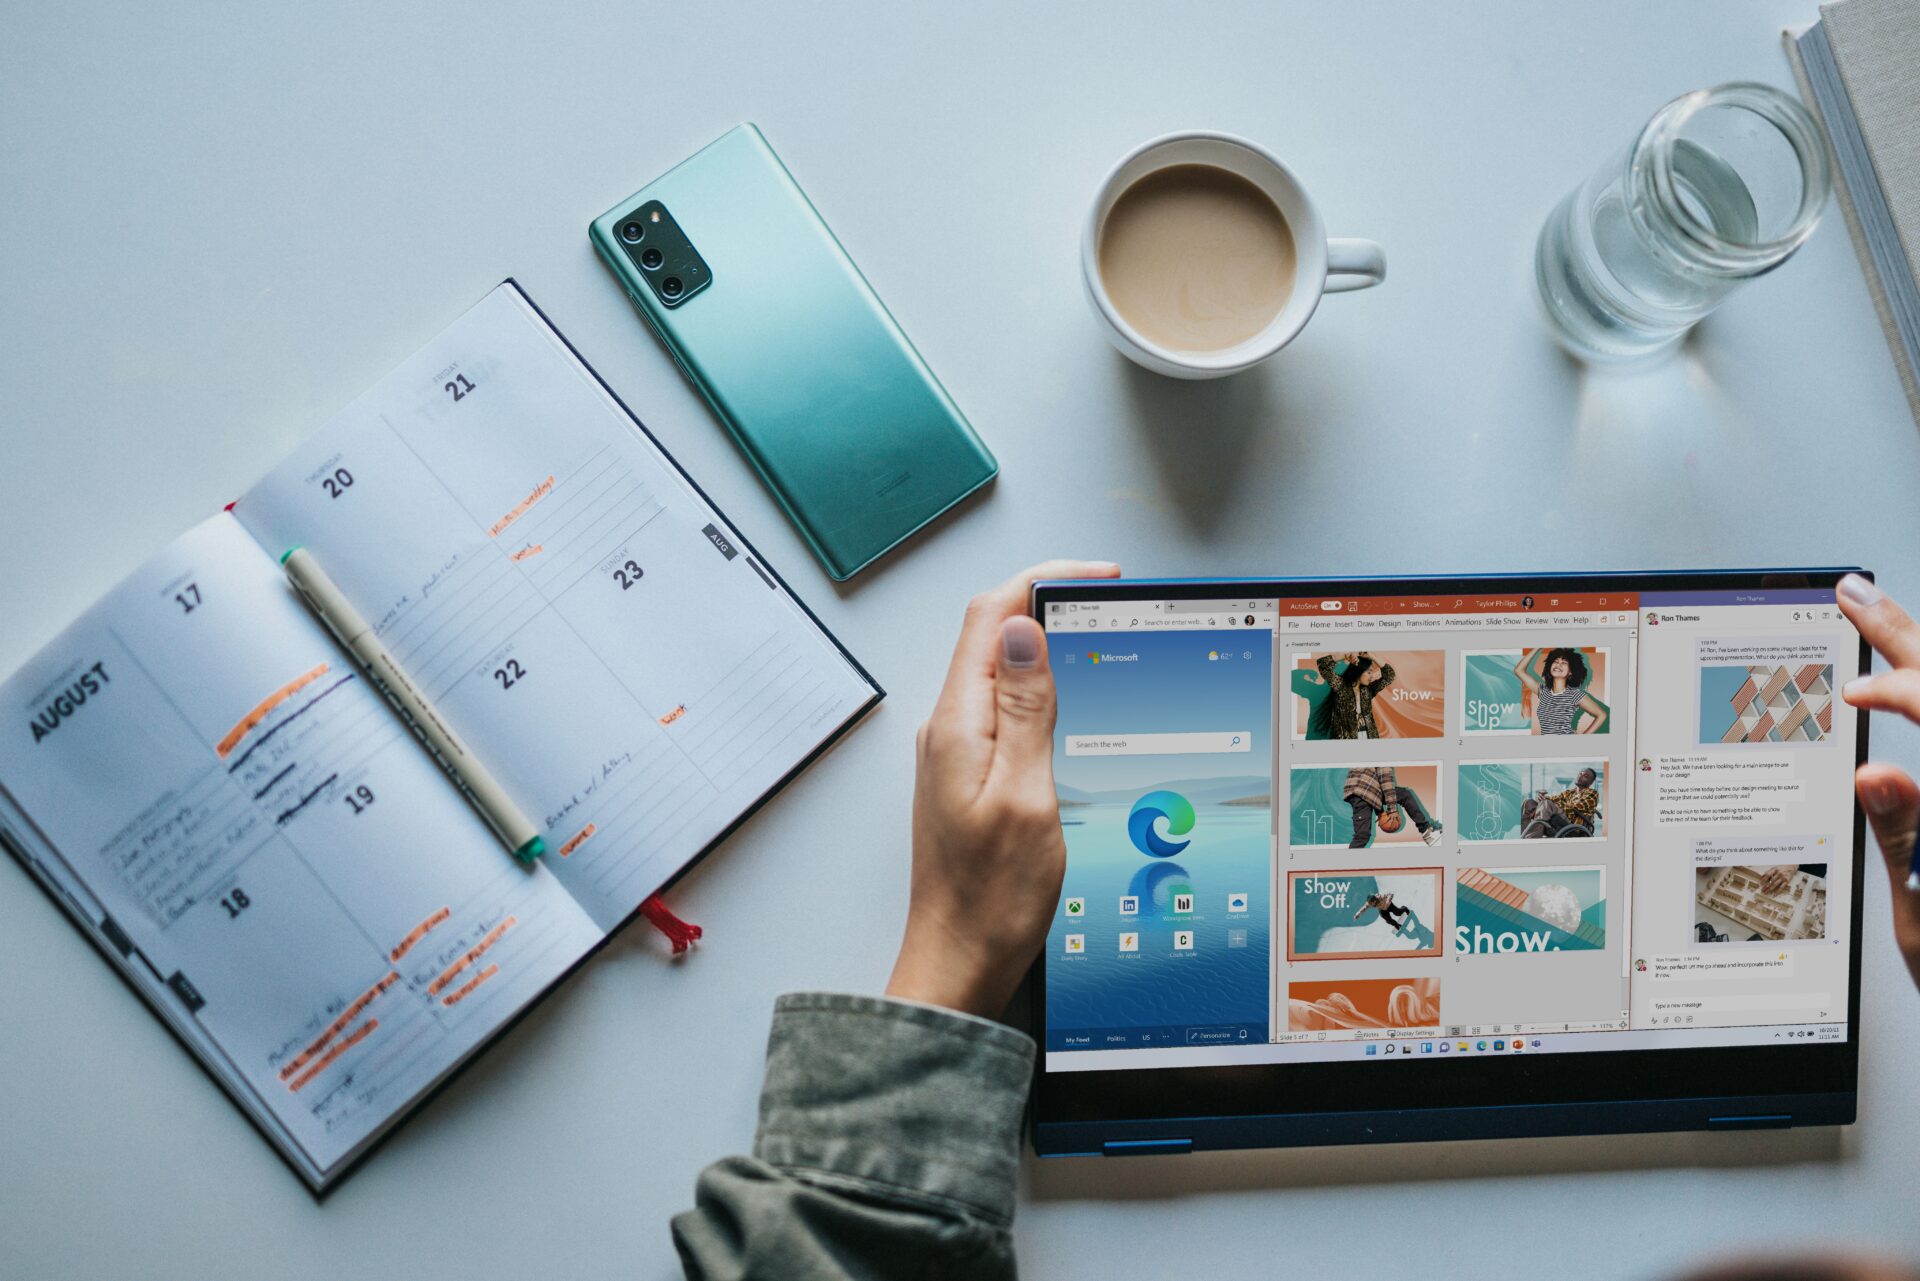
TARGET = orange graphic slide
(1402,692)
(1350,1004)
(264,709)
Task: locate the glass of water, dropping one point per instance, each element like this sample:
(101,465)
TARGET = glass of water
(1721,186)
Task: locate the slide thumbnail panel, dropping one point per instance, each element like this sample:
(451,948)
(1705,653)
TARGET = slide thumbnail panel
(1351,915)
(1517,910)
(1382,693)
(1532,800)
(1359,806)
(1544,690)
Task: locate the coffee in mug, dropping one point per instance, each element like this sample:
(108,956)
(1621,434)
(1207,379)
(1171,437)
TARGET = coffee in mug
(1196,258)
(1203,255)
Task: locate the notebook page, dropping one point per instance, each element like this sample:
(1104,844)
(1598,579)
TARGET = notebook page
(573,608)
(271,845)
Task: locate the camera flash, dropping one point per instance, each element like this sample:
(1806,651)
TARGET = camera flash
(656,215)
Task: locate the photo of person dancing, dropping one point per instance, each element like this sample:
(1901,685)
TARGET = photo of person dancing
(1557,679)
(1351,691)
(1376,797)
(1401,919)
(1565,813)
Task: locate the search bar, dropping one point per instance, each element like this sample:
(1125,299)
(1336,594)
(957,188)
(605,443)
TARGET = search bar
(1239,740)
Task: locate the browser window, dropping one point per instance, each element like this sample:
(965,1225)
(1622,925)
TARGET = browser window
(1312,828)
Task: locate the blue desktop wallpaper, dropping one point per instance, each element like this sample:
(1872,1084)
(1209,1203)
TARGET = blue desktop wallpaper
(1200,825)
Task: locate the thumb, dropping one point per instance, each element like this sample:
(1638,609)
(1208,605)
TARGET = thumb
(1892,802)
(1023,693)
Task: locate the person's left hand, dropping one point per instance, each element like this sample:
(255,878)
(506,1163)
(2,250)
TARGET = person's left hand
(1775,879)
(988,854)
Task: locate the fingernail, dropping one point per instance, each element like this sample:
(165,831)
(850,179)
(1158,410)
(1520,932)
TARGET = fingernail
(1020,642)
(1858,591)
(1103,566)
(1854,688)
(1879,798)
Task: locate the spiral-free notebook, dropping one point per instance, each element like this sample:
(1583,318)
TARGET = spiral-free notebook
(198,773)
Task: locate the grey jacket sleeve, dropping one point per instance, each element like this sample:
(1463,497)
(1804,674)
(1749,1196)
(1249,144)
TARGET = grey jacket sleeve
(888,1146)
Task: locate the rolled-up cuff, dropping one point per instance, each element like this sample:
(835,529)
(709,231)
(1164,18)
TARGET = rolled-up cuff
(912,1100)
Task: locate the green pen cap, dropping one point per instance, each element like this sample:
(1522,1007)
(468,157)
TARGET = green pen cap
(290,551)
(532,850)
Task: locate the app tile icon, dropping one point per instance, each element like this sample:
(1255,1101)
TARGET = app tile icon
(1183,940)
(1463,1047)
(1390,1047)
(1076,944)
(1182,904)
(1237,902)
(1445,1046)
(1129,942)
(1499,1045)
(1479,1045)
(1373,1049)
(1129,905)
(1076,907)
(1426,1047)
(1236,938)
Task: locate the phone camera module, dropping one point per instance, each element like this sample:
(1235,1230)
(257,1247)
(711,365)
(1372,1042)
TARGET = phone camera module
(633,231)
(672,287)
(652,259)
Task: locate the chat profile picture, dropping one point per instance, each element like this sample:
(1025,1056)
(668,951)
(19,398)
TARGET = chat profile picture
(1646,766)
(1640,965)
(1653,620)
(1249,620)
(1526,602)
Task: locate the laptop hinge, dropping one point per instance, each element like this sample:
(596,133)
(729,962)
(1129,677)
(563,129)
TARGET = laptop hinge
(1144,1147)
(1766,1121)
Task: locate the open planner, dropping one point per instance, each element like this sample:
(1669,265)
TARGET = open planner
(197,771)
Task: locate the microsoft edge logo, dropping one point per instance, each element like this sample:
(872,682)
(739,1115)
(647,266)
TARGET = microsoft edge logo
(1173,807)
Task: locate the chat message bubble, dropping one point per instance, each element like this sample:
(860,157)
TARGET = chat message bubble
(1683,967)
(1753,788)
(1765,649)
(1760,851)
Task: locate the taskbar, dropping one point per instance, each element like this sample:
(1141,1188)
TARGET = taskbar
(1404,1044)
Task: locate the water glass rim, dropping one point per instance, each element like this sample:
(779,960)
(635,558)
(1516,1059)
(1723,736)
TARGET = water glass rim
(1653,166)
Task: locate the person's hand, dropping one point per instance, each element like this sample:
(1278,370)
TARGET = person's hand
(988,854)
(1891,797)
(1777,878)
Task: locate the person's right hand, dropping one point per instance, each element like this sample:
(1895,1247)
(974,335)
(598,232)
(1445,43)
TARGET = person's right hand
(1891,797)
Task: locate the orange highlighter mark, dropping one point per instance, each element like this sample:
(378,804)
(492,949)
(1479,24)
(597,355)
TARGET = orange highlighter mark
(674,715)
(467,988)
(540,491)
(358,1035)
(578,839)
(531,549)
(253,718)
(417,933)
(474,953)
(347,1016)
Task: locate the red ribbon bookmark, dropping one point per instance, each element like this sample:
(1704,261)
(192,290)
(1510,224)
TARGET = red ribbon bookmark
(680,933)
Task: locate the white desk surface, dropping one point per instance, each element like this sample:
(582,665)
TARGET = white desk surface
(220,223)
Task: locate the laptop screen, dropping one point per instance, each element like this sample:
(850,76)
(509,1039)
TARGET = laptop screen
(1303,827)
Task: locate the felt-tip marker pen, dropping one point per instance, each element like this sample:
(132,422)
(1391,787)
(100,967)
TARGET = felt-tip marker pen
(356,635)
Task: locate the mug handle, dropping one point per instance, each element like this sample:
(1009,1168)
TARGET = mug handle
(1354,264)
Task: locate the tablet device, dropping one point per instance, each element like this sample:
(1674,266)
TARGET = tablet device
(1390,859)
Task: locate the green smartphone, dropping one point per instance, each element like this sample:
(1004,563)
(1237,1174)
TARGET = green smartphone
(765,313)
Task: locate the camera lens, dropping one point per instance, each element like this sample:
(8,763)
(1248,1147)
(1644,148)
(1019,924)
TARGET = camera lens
(632,232)
(671,286)
(651,259)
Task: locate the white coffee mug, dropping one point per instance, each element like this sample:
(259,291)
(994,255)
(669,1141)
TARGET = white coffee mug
(1322,266)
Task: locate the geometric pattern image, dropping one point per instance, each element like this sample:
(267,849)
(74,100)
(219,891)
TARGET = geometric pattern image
(1735,900)
(1766,703)
(1530,909)
(1339,1005)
